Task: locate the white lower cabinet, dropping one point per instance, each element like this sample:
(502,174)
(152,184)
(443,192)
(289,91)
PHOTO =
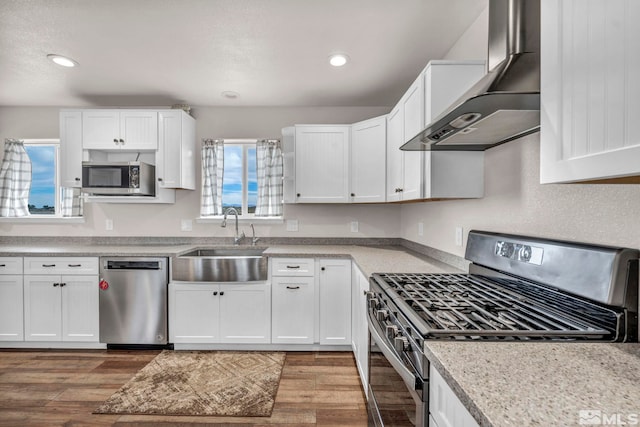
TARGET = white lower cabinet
(211,313)
(61,308)
(293,304)
(11,299)
(445,409)
(359,327)
(334,284)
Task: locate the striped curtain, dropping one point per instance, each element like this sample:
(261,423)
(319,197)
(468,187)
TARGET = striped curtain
(212,171)
(269,173)
(15,180)
(70,202)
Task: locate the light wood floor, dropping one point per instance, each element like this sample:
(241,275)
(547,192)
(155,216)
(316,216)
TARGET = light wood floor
(54,388)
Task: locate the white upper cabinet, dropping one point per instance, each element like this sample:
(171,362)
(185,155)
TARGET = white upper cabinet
(175,160)
(120,130)
(415,175)
(395,160)
(590,90)
(368,163)
(321,164)
(70,148)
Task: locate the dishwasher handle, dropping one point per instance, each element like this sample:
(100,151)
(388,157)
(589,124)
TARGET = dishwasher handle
(132,265)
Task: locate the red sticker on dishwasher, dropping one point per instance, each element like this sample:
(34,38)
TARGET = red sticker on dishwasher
(104,285)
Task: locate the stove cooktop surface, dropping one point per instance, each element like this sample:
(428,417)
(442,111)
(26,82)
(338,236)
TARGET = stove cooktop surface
(474,306)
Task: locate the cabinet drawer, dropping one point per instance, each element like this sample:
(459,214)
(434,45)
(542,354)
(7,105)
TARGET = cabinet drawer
(61,265)
(293,267)
(10,265)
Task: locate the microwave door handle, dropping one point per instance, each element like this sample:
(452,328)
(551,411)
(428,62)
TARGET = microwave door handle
(408,377)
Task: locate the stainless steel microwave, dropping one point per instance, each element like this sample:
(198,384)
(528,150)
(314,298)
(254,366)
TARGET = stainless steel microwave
(119,178)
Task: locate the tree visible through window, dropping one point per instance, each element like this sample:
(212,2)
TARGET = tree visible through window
(44,163)
(240,183)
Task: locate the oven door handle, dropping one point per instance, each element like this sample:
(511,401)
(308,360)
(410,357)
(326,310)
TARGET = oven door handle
(412,382)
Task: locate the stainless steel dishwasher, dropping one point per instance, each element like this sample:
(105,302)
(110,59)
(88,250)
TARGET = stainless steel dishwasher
(133,300)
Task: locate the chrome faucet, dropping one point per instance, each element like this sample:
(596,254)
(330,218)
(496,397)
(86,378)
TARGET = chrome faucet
(254,239)
(238,237)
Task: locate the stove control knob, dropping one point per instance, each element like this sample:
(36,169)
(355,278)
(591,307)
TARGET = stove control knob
(401,343)
(373,303)
(382,315)
(392,331)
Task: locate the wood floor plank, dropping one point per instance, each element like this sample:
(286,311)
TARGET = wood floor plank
(63,387)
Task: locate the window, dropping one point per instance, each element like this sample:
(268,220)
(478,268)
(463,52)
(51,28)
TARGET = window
(44,193)
(240,183)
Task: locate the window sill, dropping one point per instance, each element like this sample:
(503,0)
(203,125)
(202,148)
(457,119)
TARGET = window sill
(231,218)
(43,220)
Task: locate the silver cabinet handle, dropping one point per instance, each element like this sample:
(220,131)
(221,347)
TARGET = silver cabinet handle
(293,287)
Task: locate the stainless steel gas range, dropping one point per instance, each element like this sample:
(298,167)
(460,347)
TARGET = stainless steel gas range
(518,288)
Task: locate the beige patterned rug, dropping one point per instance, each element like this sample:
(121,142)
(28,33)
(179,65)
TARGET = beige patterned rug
(224,383)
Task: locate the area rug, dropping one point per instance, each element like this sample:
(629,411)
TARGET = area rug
(223,383)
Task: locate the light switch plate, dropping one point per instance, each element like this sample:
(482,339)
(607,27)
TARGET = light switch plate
(421,229)
(458,236)
(292,225)
(354,226)
(186,225)
(108,224)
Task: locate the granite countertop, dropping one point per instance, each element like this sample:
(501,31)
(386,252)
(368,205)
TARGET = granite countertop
(541,384)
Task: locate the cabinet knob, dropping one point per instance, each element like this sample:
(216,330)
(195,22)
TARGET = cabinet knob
(63,284)
(115,140)
(215,293)
(121,141)
(221,293)
(55,285)
(159,179)
(322,268)
(298,195)
(353,194)
(77,179)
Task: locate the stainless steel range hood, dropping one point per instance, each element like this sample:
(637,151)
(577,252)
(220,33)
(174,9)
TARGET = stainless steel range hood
(505,103)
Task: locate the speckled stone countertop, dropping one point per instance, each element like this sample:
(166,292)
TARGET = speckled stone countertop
(541,384)
(370,259)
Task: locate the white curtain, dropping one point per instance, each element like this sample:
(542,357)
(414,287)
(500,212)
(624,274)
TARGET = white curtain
(15,180)
(212,170)
(269,173)
(70,202)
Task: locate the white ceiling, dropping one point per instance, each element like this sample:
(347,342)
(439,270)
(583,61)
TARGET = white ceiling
(272,52)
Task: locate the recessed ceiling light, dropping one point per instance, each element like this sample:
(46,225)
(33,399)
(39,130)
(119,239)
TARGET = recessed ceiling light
(229,94)
(62,60)
(338,59)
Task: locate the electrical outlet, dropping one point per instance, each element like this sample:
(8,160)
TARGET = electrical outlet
(292,225)
(458,236)
(354,226)
(108,224)
(421,229)
(186,225)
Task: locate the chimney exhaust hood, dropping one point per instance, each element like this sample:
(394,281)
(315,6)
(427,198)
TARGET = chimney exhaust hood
(505,103)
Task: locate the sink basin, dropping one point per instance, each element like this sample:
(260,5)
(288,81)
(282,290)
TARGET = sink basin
(220,265)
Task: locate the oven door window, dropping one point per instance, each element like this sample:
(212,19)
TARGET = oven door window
(396,405)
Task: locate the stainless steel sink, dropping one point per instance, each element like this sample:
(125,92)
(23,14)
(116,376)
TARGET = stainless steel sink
(220,265)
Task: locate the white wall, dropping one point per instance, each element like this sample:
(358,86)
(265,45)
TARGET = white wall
(212,122)
(515,201)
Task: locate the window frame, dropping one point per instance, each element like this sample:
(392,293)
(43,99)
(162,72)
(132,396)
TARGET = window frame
(57,216)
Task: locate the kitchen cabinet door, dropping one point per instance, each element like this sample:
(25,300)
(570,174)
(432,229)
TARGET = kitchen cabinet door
(359,327)
(444,406)
(395,138)
(322,163)
(194,313)
(119,130)
(413,122)
(11,307)
(367,160)
(175,160)
(590,91)
(80,319)
(293,310)
(71,149)
(42,308)
(335,301)
(245,313)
